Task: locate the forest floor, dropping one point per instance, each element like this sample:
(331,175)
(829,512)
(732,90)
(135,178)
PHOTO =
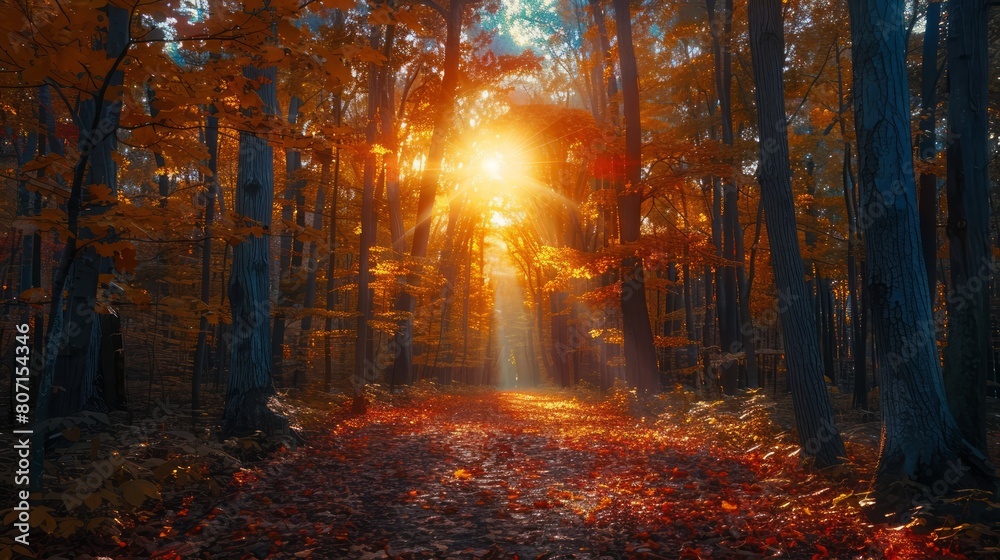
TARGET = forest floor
(546,475)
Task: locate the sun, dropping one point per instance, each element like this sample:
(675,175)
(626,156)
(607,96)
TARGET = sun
(493,165)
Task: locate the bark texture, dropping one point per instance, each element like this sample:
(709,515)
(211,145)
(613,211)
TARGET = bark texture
(921,441)
(250,386)
(640,355)
(966,363)
(928,144)
(813,413)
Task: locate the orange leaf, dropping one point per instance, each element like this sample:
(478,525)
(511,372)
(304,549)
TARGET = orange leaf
(125,258)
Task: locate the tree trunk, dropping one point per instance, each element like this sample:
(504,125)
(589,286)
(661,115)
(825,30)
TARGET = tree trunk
(390,142)
(928,145)
(162,179)
(921,442)
(966,365)
(726,221)
(312,264)
(77,371)
(731,343)
(363,367)
(640,355)
(813,413)
(746,331)
(403,364)
(331,267)
(611,112)
(90,140)
(291,249)
(212,145)
(858,335)
(249,383)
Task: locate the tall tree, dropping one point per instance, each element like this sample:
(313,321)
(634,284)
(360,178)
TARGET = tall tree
(368,224)
(640,355)
(101,107)
(813,413)
(966,361)
(927,144)
(288,248)
(403,364)
(250,385)
(331,265)
(734,300)
(201,347)
(77,371)
(921,441)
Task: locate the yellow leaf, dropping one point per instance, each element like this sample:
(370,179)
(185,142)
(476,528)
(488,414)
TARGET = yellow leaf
(101,193)
(67,527)
(149,489)
(462,474)
(369,54)
(338,73)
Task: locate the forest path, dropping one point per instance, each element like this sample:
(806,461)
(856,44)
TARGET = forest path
(536,475)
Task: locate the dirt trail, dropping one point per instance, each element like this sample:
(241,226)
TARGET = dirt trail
(536,475)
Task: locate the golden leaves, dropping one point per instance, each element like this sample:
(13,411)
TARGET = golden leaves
(36,69)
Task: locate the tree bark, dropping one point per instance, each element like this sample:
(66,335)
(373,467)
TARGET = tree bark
(212,145)
(290,248)
(921,442)
(640,355)
(818,434)
(966,364)
(362,366)
(331,267)
(77,372)
(858,346)
(728,304)
(928,145)
(249,383)
(312,262)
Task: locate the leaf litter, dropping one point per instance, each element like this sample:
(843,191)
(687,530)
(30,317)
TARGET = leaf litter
(544,475)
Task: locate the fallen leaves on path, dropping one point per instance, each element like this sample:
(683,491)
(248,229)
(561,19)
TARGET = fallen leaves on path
(539,475)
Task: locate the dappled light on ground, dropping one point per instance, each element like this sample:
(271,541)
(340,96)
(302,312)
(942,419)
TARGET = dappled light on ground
(546,475)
